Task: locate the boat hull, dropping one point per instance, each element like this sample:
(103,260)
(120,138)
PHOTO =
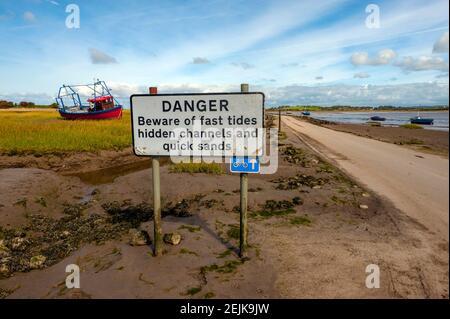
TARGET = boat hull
(378,118)
(422,121)
(114,113)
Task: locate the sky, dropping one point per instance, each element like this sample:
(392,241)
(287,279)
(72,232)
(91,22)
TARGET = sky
(327,52)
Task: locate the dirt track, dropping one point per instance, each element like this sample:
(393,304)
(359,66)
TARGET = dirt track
(417,183)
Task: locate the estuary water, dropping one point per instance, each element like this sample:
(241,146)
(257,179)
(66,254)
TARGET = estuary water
(392,118)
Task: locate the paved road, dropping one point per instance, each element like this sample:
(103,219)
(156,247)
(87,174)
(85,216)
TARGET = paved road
(417,183)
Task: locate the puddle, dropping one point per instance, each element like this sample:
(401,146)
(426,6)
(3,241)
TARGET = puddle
(109,174)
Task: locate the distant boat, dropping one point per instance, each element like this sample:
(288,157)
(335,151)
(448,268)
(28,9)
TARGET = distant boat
(378,118)
(306,113)
(420,120)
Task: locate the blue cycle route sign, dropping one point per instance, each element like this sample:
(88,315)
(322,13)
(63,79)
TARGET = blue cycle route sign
(244,164)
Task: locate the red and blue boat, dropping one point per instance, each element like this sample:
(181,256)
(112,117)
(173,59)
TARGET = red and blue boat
(100,103)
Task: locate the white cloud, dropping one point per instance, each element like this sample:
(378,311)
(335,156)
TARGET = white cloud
(29,16)
(99,57)
(318,78)
(243,65)
(411,94)
(383,57)
(289,65)
(361,75)
(441,45)
(422,63)
(200,60)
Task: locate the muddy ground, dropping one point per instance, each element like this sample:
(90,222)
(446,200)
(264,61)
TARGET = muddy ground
(424,140)
(312,232)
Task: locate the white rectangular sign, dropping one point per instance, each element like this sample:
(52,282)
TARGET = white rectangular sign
(210,124)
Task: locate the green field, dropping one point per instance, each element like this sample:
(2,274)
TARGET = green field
(45,132)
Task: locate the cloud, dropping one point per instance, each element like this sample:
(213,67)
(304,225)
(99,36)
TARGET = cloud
(56,3)
(29,16)
(318,78)
(422,63)
(289,65)
(393,79)
(442,76)
(200,60)
(243,65)
(383,57)
(99,57)
(410,94)
(361,75)
(441,45)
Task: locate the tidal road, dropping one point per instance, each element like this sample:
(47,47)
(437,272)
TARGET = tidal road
(417,183)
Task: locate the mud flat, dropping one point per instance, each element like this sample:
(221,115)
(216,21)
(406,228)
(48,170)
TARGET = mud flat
(429,141)
(313,231)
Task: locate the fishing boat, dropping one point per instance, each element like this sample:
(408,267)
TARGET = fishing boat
(378,118)
(306,113)
(421,120)
(99,102)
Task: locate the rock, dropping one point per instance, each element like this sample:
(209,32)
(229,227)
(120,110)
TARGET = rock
(139,237)
(18,243)
(96,191)
(297,201)
(65,234)
(317,187)
(4,269)
(4,251)
(365,195)
(172,238)
(37,262)
(363,206)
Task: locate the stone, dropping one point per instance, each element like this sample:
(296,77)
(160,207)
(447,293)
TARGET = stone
(365,195)
(172,238)
(18,243)
(139,237)
(37,262)
(363,206)
(4,251)
(317,187)
(4,269)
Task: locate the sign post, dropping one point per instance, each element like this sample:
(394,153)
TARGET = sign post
(279,120)
(157,231)
(219,125)
(243,204)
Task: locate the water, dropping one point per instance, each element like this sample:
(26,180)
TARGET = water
(392,118)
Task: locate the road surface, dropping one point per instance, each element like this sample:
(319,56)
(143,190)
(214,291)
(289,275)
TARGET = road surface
(417,183)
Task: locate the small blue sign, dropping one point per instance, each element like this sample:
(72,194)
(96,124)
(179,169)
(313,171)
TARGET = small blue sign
(244,164)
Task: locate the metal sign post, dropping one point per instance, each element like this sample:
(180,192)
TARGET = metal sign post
(157,231)
(279,120)
(243,203)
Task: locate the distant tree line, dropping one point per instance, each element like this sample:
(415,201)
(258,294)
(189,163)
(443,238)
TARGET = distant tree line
(7,105)
(359,108)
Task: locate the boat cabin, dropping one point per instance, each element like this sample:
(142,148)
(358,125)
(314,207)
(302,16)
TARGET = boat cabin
(101,103)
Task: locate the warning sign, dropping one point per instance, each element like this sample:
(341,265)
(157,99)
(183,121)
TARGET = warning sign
(214,124)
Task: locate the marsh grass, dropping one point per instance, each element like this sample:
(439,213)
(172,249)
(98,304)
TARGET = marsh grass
(45,132)
(301,220)
(412,126)
(192,168)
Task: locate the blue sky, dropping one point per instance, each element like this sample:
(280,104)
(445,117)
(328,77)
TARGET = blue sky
(296,52)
